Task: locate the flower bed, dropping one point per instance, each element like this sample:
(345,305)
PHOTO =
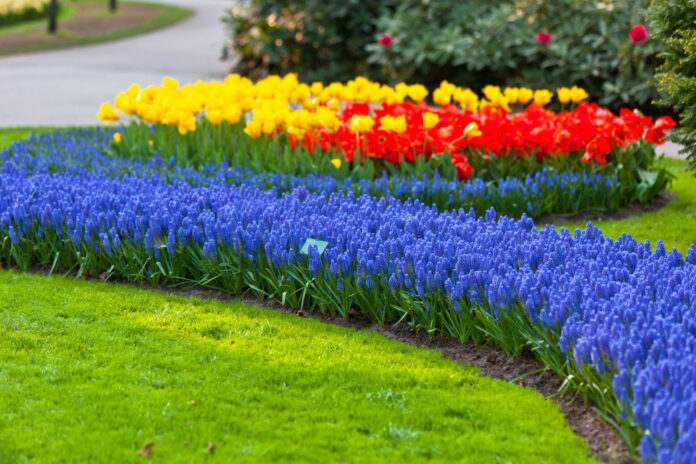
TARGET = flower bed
(363,121)
(616,320)
(544,192)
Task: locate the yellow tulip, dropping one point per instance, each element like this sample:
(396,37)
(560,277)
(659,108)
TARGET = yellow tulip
(253,129)
(472,130)
(133,91)
(542,97)
(214,117)
(394,124)
(188,123)
(232,113)
(336,162)
(152,144)
(564,95)
(335,104)
(316,88)
(525,95)
(441,97)
(577,94)
(107,113)
(417,92)
(467,99)
(117,137)
(361,123)
(125,103)
(268,127)
(512,94)
(430,120)
(492,92)
(169,83)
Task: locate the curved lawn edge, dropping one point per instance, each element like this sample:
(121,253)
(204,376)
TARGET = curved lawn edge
(602,438)
(169,15)
(104,369)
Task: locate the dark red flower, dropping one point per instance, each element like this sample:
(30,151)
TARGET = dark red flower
(543,37)
(386,40)
(638,34)
(461,163)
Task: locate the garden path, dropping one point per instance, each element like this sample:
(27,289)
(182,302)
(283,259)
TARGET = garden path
(66,87)
(671,150)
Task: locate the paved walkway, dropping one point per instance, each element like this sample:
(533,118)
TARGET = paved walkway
(670,150)
(66,87)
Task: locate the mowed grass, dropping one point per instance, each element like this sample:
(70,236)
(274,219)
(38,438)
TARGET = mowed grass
(168,15)
(12,134)
(91,372)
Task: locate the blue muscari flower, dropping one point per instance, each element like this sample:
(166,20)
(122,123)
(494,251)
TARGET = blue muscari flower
(13,236)
(209,249)
(171,241)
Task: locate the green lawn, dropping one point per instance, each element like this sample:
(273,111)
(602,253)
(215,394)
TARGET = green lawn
(67,11)
(675,224)
(168,15)
(91,372)
(9,135)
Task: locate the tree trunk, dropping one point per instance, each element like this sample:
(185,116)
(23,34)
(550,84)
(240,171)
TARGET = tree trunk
(53,17)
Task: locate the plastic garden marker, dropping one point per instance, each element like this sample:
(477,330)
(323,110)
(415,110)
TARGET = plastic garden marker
(319,244)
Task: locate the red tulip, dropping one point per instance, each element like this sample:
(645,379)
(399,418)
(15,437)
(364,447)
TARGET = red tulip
(386,40)
(638,34)
(588,131)
(543,37)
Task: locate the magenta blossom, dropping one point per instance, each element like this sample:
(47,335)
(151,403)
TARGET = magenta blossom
(638,34)
(386,40)
(543,37)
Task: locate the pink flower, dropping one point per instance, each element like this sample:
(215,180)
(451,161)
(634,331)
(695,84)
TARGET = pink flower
(386,40)
(638,34)
(543,37)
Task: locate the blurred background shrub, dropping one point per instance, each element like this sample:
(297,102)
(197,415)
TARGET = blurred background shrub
(17,11)
(322,40)
(470,43)
(674,23)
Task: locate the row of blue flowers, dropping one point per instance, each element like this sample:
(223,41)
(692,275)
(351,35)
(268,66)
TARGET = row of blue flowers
(544,192)
(615,319)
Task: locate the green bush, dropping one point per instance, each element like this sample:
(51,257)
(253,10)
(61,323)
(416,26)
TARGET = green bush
(494,42)
(674,22)
(470,43)
(321,40)
(8,16)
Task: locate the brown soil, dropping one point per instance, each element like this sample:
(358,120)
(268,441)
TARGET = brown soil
(602,439)
(90,20)
(635,209)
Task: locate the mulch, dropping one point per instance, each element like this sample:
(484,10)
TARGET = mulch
(635,209)
(90,20)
